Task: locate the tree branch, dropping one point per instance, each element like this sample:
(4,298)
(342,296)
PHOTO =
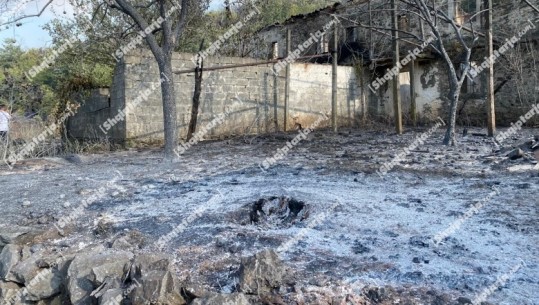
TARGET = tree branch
(531,5)
(178,30)
(166,26)
(128,9)
(29,16)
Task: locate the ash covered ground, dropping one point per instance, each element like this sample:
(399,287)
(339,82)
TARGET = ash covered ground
(332,219)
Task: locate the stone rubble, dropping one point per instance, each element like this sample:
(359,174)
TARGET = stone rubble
(97,275)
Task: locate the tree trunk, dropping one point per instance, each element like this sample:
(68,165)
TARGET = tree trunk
(450,135)
(169,107)
(196,95)
(196,100)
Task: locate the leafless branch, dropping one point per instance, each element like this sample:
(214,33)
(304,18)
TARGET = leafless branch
(28,16)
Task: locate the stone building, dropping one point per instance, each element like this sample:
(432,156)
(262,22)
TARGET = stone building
(362,43)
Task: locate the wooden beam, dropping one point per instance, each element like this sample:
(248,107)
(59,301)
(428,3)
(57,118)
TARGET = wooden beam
(413,105)
(397,105)
(334,55)
(287,81)
(276,102)
(491,110)
(258,63)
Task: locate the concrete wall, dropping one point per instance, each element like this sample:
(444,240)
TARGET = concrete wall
(430,83)
(311,92)
(96,107)
(247,93)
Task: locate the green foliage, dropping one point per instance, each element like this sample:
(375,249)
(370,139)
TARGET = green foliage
(16,90)
(216,23)
(100,31)
(40,94)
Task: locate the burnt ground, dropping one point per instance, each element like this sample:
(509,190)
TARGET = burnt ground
(334,221)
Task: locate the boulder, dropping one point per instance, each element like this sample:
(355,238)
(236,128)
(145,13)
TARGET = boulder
(10,235)
(61,263)
(47,284)
(157,288)
(108,283)
(57,300)
(26,270)
(10,256)
(112,297)
(261,273)
(156,280)
(147,262)
(121,244)
(9,291)
(86,270)
(193,291)
(223,299)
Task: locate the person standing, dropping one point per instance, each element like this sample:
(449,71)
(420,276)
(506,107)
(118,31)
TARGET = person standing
(5,117)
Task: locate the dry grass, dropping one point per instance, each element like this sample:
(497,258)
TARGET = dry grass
(24,131)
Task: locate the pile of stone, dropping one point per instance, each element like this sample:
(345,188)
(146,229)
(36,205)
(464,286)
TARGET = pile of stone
(109,276)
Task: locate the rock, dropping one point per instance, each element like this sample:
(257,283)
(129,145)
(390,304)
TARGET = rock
(414,276)
(157,288)
(194,291)
(60,263)
(146,262)
(10,256)
(376,294)
(107,284)
(108,270)
(516,154)
(156,278)
(8,292)
(112,297)
(46,284)
(223,299)
(441,300)
(57,300)
(261,273)
(121,244)
(73,158)
(463,300)
(88,269)
(9,235)
(419,241)
(27,269)
(359,248)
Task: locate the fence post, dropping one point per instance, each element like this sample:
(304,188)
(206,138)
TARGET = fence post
(287,84)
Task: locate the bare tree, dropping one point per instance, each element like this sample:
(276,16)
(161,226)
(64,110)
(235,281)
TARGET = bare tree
(434,17)
(455,55)
(162,43)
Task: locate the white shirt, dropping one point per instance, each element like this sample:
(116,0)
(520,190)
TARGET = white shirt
(4,120)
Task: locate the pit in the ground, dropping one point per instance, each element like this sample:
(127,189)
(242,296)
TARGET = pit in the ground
(278,212)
